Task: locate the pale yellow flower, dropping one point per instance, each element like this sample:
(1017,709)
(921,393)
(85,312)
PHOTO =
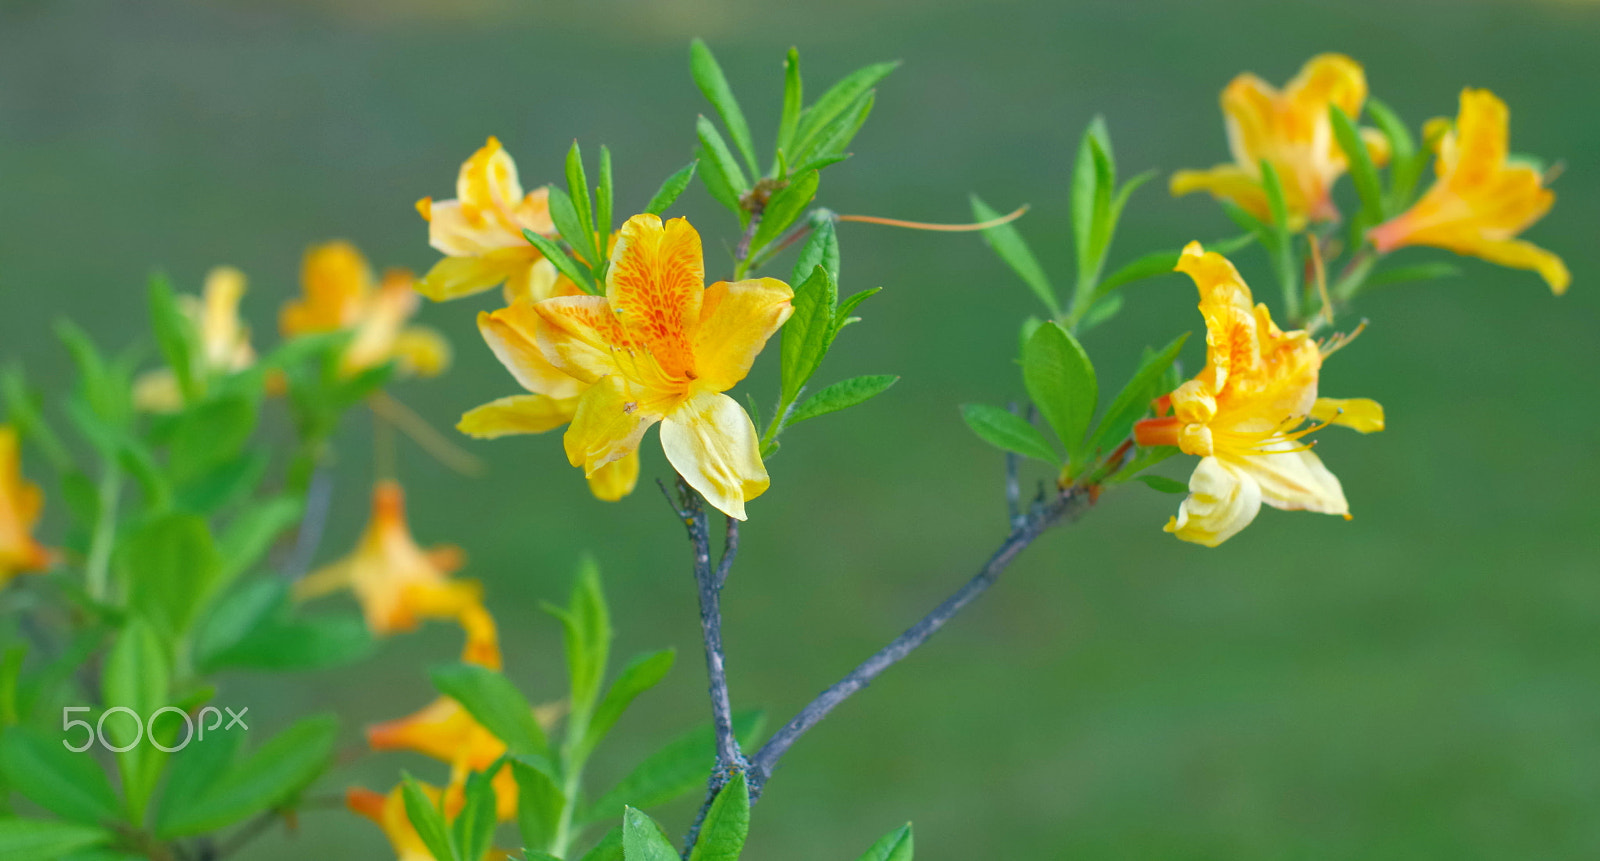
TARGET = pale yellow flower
(340,293)
(224,340)
(480,231)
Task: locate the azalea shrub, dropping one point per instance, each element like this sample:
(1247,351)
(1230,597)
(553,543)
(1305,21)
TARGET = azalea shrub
(193,487)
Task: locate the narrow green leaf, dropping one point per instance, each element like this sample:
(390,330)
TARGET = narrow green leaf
(578,187)
(784,208)
(727,824)
(678,768)
(670,188)
(641,674)
(70,785)
(1008,432)
(830,140)
(842,395)
(1101,311)
(135,678)
(1276,203)
(197,769)
(837,100)
(1134,400)
(45,840)
(1104,219)
(564,213)
(427,820)
(643,840)
(789,119)
(1014,251)
(177,336)
(274,773)
(806,334)
(714,86)
(588,637)
(1405,161)
(721,174)
(605,194)
(495,703)
(895,846)
(472,832)
(608,849)
(574,271)
(540,803)
(842,318)
(1087,175)
(1163,484)
(252,532)
(1061,382)
(1362,171)
(820,249)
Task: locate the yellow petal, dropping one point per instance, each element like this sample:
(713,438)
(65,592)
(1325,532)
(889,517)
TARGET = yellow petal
(656,285)
(607,426)
(454,277)
(1361,414)
(1521,254)
(389,812)
(712,443)
(1293,480)
(1328,79)
(421,350)
(335,279)
(517,414)
(512,334)
(736,321)
(1225,182)
(616,479)
(156,391)
(226,340)
(1221,502)
(580,336)
(1377,144)
(532,283)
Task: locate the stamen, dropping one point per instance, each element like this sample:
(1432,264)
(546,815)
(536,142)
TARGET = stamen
(1339,340)
(947,228)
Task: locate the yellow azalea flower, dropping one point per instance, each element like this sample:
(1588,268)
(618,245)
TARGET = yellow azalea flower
(20,503)
(1240,414)
(389,812)
(660,346)
(480,232)
(1290,129)
(341,294)
(224,340)
(397,582)
(1481,200)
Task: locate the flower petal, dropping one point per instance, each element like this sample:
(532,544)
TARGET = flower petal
(335,279)
(1361,414)
(736,321)
(1521,254)
(1294,480)
(713,444)
(421,350)
(616,479)
(511,333)
(607,425)
(1225,182)
(454,277)
(517,414)
(656,285)
(580,336)
(1221,502)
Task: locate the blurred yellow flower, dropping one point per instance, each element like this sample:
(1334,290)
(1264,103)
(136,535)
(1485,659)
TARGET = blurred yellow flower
(224,340)
(1481,200)
(1289,129)
(480,231)
(20,503)
(389,812)
(397,582)
(1240,414)
(660,346)
(341,294)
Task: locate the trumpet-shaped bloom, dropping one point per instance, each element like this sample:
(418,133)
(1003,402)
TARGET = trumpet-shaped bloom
(20,503)
(396,581)
(1290,130)
(480,231)
(341,294)
(224,340)
(660,346)
(1240,414)
(1481,199)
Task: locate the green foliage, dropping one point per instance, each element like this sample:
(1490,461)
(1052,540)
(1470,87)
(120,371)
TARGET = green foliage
(136,677)
(643,838)
(714,85)
(494,702)
(1009,432)
(427,819)
(271,776)
(1013,250)
(894,846)
(842,395)
(1362,171)
(678,768)
(1061,382)
(670,188)
(45,840)
(70,785)
(472,832)
(726,825)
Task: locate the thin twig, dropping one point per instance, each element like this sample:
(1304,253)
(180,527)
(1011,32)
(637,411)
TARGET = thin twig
(730,549)
(318,499)
(944,228)
(425,435)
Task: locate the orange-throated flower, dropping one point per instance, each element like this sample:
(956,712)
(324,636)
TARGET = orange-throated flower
(20,502)
(341,294)
(661,346)
(1242,413)
(1289,129)
(224,340)
(480,231)
(1481,199)
(397,582)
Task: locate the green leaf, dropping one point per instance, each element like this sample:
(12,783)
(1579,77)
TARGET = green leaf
(564,213)
(1093,173)
(197,769)
(135,678)
(894,846)
(252,531)
(307,643)
(831,139)
(70,785)
(495,703)
(608,849)
(807,334)
(642,839)
(1276,203)
(841,395)
(587,629)
(821,249)
(784,208)
(177,336)
(670,188)
(714,85)
(170,568)
(1134,400)
(1101,311)
(1014,251)
(563,262)
(1362,171)
(578,187)
(1403,274)
(271,776)
(1162,263)
(223,485)
(1143,459)
(45,840)
(679,767)
(107,396)
(426,819)
(1008,432)
(209,434)
(838,99)
(1164,484)
(473,830)
(606,196)
(23,412)
(641,674)
(789,119)
(718,170)
(540,802)
(1405,160)
(842,318)
(1061,382)
(726,825)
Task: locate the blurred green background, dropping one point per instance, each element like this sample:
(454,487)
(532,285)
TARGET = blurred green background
(1422,682)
